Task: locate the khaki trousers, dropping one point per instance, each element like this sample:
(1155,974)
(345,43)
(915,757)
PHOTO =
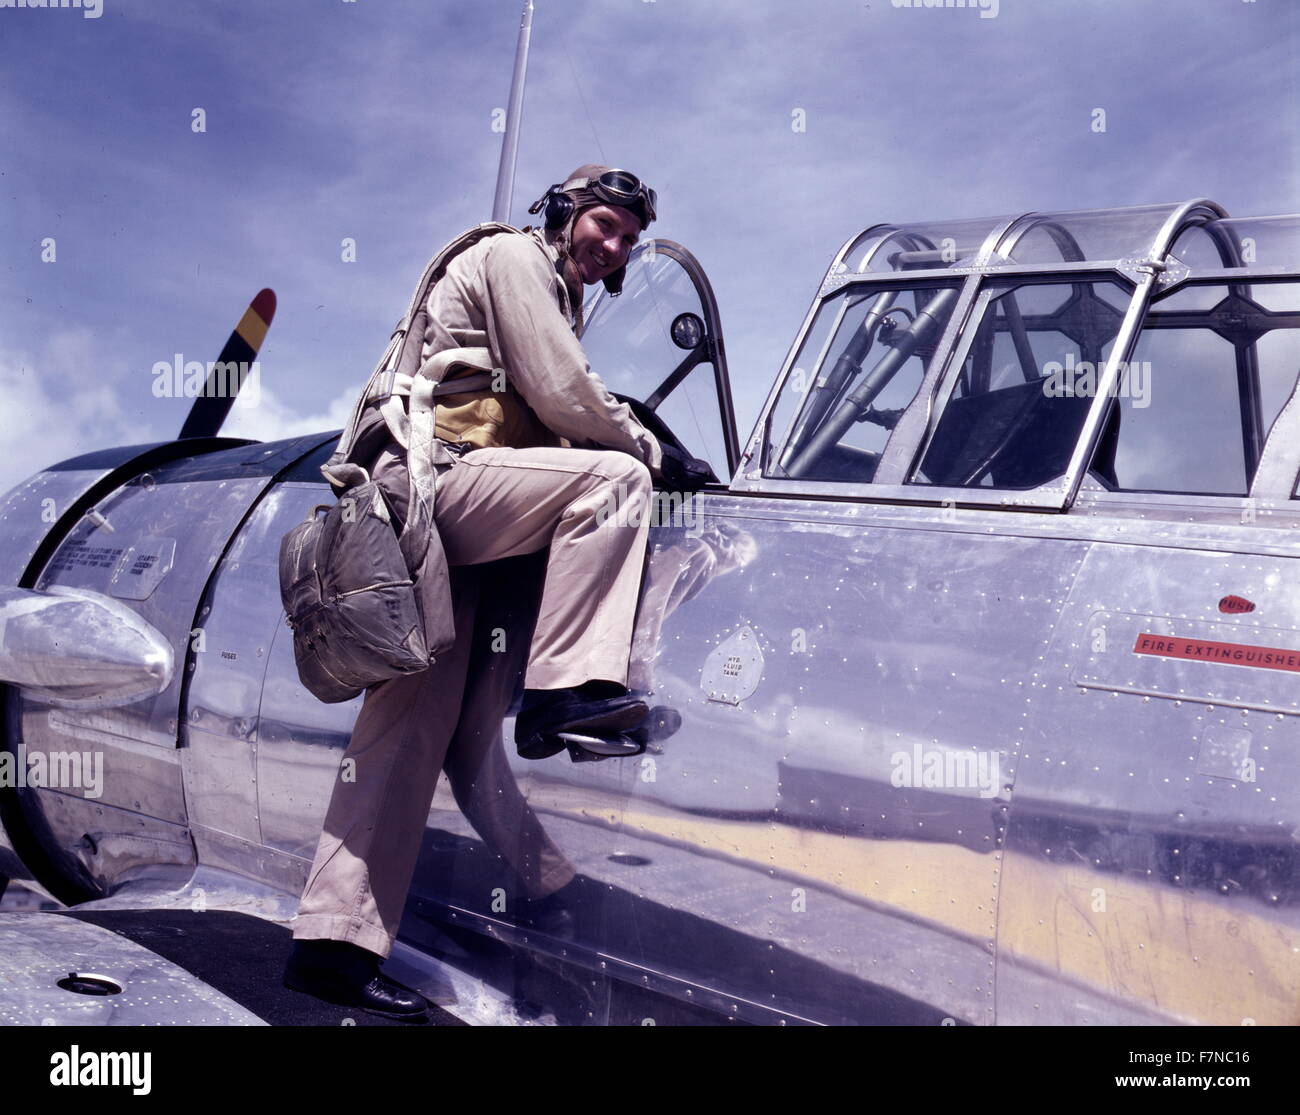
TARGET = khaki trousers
(591,508)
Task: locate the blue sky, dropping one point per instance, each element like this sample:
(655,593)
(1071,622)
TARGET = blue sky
(372,119)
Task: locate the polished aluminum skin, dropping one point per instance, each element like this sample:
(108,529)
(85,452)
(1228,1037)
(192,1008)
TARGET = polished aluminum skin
(988,695)
(74,648)
(42,949)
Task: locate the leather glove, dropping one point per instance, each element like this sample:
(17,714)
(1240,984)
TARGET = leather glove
(682,473)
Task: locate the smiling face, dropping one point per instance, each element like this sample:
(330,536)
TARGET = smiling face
(603,236)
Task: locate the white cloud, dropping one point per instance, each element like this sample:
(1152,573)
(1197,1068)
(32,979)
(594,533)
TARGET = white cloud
(268,418)
(58,404)
(68,400)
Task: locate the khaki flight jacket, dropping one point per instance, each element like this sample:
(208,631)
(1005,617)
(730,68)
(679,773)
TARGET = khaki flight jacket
(502,305)
(498,304)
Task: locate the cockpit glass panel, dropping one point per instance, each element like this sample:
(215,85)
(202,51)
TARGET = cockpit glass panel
(916,247)
(628,339)
(691,411)
(1212,368)
(1025,384)
(1249,242)
(858,369)
(1204,247)
(1100,234)
(629,342)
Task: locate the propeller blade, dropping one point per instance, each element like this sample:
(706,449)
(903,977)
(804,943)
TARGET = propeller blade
(232,367)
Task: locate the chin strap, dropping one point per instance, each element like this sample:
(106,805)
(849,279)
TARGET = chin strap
(569,273)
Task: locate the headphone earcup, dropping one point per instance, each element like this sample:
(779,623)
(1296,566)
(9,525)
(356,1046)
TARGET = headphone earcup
(559,208)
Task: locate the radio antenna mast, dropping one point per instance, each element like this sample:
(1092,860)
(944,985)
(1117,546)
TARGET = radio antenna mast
(510,141)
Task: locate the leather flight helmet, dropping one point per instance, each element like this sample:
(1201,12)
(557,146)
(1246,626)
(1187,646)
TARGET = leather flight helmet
(591,185)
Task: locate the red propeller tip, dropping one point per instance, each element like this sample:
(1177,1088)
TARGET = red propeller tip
(264,305)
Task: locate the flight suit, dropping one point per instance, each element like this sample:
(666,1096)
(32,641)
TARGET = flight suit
(529,476)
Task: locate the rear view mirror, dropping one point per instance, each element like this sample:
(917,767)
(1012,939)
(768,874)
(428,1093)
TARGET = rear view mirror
(687,330)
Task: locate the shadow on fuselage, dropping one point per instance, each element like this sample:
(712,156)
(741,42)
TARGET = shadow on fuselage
(613,922)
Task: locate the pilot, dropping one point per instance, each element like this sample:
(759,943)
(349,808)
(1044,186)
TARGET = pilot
(541,461)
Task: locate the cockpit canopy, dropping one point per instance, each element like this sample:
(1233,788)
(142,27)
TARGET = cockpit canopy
(1014,361)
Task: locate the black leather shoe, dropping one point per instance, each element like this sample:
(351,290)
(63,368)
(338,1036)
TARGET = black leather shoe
(597,709)
(348,975)
(661,722)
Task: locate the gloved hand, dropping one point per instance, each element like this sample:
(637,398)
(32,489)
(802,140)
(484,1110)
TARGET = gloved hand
(682,473)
